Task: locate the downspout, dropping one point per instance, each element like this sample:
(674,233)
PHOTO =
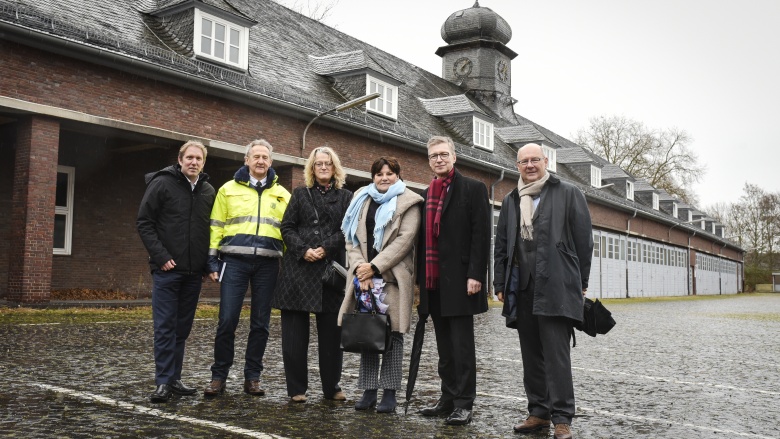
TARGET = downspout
(492,228)
(628,232)
(690,270)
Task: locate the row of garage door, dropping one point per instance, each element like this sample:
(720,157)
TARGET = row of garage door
(634,267)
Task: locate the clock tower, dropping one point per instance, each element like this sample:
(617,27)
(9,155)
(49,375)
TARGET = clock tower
(477,59)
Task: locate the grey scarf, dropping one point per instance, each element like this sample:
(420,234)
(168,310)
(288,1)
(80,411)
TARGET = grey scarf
(527,193)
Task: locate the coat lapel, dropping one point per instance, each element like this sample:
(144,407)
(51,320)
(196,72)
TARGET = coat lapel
(450,189)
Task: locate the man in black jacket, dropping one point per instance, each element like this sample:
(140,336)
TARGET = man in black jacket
(543,249)
(452,267)
(173,222)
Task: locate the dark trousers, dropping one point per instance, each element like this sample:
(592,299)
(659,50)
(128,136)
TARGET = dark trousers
(240,272)
(174,300)
(295,351)
(544,344)
(457,356)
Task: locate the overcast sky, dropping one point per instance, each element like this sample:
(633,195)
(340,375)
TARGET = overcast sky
(710,67)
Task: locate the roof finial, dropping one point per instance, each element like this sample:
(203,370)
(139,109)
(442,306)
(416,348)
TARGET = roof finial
(476,4)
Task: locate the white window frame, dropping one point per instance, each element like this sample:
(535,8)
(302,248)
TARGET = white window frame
(66,210)
(243,40)
(656,201)
(595,176)
(630,190)
(552,156)
(482,134)
(674,210)
(387,103)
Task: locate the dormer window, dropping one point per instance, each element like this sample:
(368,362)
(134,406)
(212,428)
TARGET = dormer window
(630,190)
(551,155)
(220,40)
(483,134)
(387,102)
(595,176)
(655,201)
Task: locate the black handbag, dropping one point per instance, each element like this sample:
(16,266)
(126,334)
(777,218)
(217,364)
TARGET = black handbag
(365,332)
(334,276)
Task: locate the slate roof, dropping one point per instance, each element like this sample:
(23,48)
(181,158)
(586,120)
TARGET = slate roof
(641,185)
(610,171)
(345,62)
(291,57)
(450,105)
(520,134)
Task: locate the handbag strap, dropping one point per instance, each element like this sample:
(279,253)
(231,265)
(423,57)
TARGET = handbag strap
(374,306)
(314,206)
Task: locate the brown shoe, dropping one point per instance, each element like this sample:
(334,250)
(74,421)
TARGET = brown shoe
(215,387)
(338,396)
(299,398)
(562,431)
(532,423)
(252,387)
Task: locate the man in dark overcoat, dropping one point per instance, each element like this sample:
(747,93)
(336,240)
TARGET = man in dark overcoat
(542,254)
(452,264)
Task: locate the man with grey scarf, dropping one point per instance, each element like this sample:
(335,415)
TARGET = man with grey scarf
(543,249)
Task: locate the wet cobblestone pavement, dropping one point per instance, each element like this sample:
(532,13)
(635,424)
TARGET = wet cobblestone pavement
(669,369)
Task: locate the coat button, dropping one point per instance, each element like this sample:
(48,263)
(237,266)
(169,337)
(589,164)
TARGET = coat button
(316,232)
(316,221)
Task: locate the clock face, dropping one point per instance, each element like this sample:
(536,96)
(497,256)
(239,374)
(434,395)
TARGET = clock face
(502,69)
(462,67)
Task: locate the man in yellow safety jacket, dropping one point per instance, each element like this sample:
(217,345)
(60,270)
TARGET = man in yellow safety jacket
(245,248)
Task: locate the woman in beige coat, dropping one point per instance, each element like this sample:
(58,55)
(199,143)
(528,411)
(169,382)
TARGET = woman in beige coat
(381,227)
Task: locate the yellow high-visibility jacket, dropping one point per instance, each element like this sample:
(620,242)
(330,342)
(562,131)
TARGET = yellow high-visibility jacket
(246,220)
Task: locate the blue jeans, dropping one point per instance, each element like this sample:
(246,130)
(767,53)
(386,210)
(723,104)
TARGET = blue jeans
(241,271)
(174,300)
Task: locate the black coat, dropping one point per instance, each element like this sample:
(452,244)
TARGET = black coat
(562,257)
(299,287)
(464,247)
(173,220)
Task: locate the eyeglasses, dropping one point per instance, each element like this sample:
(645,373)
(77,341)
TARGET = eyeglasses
(441,155)
(533,161)
(323,164)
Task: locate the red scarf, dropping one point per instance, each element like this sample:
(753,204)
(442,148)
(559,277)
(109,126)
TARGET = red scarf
(434,206)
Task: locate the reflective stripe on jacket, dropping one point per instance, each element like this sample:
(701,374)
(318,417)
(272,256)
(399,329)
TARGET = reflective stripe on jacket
(246,221)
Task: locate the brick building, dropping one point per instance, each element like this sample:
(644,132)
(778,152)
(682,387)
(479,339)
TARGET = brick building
(95,94)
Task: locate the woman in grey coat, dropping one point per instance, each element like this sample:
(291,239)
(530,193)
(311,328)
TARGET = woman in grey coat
(381,227)
(310,229)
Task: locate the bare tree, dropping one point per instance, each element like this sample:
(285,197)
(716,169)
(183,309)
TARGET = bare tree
(662,157)
(316,10)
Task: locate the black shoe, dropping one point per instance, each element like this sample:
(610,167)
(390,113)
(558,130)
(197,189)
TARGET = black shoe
(163,393)
(180,389)
(367,401)
(459,416)
(388,403)
(440,409)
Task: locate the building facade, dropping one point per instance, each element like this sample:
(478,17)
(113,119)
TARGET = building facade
(94,95)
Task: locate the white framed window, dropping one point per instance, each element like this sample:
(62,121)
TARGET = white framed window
(655,201)
(483,134)
(551,155)
(630,190)
(674,210)
(595,176)
(221,40)
(63,210)
(387,102)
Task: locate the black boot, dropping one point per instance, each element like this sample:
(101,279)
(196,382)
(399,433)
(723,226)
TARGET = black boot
(387,404)
(367,401)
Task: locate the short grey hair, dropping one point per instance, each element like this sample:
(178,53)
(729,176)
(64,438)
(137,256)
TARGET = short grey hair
(261,142)
(435,140)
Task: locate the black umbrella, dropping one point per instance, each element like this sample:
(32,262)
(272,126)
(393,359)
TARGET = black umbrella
(414,360)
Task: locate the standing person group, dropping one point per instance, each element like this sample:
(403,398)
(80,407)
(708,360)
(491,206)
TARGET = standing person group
(542,259)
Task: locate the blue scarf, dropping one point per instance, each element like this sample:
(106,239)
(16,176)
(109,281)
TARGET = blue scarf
(387,203)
